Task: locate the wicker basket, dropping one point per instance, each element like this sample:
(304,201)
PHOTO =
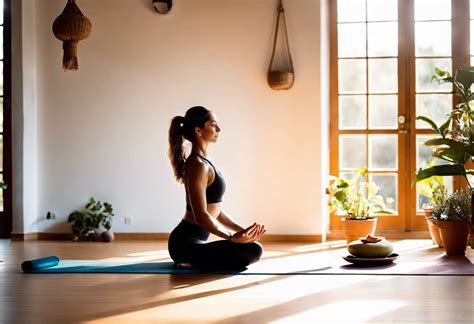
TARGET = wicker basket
(279,80)
(71,26)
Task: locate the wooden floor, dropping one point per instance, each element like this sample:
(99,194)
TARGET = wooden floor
(131,298)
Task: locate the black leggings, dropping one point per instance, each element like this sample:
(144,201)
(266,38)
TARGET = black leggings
(187,244)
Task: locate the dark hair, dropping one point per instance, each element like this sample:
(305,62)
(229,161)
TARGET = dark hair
(183,127)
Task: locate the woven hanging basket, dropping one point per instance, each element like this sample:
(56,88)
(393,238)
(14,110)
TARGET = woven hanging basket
(281,80)
(71,26)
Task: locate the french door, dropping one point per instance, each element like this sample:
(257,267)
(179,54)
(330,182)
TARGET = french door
(383,54)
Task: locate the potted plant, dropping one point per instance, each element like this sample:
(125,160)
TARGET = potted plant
(359,202)
(452,214)
(432,189)
(95,219)
(454,141)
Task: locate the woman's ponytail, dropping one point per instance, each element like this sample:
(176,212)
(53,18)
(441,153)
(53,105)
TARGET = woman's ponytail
(176,152)
(183,128)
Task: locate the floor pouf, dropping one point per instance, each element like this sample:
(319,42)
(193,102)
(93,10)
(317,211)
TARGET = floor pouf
(380,249)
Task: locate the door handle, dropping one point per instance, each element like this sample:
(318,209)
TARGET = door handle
(402,123)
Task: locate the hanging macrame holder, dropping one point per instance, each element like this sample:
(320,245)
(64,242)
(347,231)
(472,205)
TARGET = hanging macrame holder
(281,80)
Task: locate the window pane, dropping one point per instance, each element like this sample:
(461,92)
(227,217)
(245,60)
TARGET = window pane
(380,10)
(383,111)
(1,40)
(1,115)
(352,152)
(434,106)
(383,152)
(471,7)
(423,153)
(432,9)
(352,76)
(1,153)
(433,38)
(350,175)
(352,112)
(1,193)
(472,38)
(388,187)
(383,39)
(425,70)
(1,78)
(351,40)
(350,10)
(1,10)
(383,76)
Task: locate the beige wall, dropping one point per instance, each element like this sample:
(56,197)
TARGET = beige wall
(102,131)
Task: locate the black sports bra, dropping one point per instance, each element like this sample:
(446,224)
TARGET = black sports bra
(215,190)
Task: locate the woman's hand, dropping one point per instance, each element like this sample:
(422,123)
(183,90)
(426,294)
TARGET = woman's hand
(251,234)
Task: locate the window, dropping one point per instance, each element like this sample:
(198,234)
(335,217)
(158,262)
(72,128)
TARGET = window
(383,54)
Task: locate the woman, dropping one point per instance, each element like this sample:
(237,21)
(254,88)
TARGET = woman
(205,187)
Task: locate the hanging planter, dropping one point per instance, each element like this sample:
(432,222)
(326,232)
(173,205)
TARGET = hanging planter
(71,26)
(281,80)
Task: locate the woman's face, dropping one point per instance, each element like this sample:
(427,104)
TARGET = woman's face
(211,130)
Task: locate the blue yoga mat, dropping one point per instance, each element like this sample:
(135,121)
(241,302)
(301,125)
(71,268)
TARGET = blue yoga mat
(307,265)
(54,265)
(39,264)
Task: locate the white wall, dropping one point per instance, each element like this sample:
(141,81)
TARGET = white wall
(102,130)
(24,122)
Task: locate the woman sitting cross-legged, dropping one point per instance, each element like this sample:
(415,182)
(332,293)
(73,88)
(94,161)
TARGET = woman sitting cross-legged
(205,186)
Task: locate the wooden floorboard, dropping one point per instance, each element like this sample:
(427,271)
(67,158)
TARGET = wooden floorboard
(138,298)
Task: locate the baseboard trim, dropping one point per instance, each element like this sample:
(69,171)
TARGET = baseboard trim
(392,235)
(318,238)
(163,236)
(24,236)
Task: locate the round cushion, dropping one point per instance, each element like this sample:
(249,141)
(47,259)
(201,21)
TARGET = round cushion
(380,249)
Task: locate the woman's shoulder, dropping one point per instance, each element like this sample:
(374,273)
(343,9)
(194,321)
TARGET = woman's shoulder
(196,163)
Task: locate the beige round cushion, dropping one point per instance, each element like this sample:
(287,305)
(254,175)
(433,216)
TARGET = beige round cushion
(380,249)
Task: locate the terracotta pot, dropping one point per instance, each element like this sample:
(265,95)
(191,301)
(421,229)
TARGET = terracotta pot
(433,228)
(354,229)
(455,236)
(108,236)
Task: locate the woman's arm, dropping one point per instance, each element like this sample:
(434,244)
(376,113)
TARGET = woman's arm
(228,222)
(197,175)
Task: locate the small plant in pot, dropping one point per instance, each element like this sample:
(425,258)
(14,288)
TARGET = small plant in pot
(359,201)
(452,214)
(434,191)
(95,219)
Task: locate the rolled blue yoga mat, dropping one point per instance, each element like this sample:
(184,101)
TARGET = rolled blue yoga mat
(38,264)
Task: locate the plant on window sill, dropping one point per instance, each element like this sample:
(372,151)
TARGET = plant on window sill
(356,198)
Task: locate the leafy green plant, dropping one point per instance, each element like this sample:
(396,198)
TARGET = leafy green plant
(454,142)
(358,199)
(453,207)
(429,186)
(86,221)
(455,136)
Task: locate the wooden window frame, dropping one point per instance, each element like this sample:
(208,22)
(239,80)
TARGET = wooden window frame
(406,96)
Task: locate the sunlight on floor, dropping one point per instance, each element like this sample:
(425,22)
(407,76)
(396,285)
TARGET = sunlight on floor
(196,299)
(147,256)
(354,311)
